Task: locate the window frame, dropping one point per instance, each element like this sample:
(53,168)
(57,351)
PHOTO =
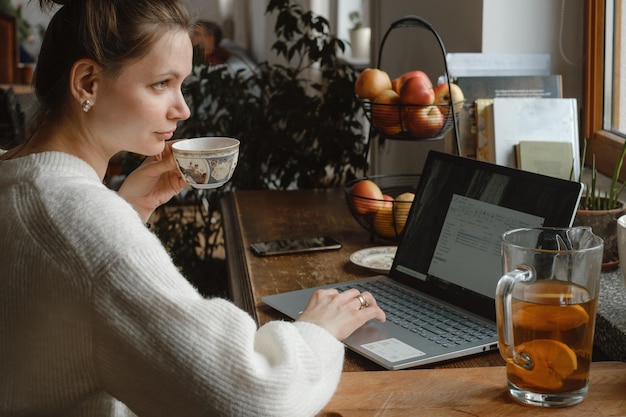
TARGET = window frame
(604,144)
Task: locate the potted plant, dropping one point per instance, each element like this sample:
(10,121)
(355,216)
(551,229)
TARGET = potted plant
(360,36)
(600,208)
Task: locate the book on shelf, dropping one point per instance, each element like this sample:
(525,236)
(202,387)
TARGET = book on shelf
(518,120)
(545,157)
(483,114)
(489,87)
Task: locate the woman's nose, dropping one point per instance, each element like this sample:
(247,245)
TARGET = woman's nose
(180,110)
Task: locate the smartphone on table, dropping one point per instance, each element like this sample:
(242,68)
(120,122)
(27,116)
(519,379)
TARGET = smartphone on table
(298,245)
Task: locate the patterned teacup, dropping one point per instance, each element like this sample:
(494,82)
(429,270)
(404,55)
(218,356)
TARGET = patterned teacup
(207,162)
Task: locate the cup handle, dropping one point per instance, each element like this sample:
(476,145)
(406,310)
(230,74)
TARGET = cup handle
(504,314)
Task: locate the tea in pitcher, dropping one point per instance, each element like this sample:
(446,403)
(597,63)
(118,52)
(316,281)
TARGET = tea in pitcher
(553,326)
(546,305)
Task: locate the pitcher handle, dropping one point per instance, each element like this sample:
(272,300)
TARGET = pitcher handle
(504,314)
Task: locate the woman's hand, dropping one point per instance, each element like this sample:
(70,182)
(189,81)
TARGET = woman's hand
(153,183)
(341,313)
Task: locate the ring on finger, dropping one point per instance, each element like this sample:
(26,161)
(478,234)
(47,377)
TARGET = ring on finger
(362,300)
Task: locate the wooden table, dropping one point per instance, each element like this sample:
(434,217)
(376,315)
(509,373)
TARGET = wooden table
(465,392)
(251,216)
(263,215)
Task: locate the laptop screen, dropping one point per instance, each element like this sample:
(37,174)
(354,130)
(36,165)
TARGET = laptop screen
(450,246)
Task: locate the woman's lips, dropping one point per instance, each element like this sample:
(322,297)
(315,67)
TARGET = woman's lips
(165,135)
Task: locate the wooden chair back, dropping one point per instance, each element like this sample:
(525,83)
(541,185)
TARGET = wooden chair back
(9,50)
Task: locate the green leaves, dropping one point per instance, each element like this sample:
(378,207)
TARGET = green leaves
(355,18)
(298,120)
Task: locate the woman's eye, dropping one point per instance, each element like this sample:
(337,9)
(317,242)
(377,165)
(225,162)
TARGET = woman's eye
(160,85)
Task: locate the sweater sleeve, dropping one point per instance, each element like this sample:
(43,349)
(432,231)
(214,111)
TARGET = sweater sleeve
(117,316)
(164,350)
(94,308)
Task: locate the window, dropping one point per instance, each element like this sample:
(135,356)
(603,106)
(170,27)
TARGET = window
(342,9)
(604,113)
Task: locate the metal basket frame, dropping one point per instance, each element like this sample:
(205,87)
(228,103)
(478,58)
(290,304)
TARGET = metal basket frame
(450,121)
(393,185)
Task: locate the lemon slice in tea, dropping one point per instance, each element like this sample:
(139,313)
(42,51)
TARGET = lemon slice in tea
(552,362)
(543,317)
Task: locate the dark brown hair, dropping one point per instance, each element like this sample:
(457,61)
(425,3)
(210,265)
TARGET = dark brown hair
(110,32)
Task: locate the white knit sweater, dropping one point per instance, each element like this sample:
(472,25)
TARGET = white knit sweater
(95,320)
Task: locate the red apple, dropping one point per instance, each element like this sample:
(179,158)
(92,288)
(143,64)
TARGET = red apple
(423,121)
(416,91)
(366,197)
(386,112)
(397,82)
(417,73)
(442,96)
(371,82)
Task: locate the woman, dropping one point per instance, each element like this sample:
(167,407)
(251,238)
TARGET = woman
(95,320)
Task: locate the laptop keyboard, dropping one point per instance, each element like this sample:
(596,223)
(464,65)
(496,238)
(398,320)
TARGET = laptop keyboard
(421,316)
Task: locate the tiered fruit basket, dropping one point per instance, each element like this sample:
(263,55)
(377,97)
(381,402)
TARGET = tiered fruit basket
(411,121)
(382,217)
(381,203)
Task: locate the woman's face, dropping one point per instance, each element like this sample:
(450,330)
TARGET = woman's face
(138,110)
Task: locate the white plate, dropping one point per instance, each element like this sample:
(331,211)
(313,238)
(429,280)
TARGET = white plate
(377,259)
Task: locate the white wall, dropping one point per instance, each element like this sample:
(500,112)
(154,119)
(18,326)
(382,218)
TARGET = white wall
(536,26)
(205,10)
(221,11)
(458,24)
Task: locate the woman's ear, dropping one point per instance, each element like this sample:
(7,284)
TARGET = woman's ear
(83,81)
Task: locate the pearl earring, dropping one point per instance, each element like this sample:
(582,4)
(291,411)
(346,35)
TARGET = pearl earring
(86,106)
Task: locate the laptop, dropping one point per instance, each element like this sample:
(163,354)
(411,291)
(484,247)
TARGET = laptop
(449,260)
